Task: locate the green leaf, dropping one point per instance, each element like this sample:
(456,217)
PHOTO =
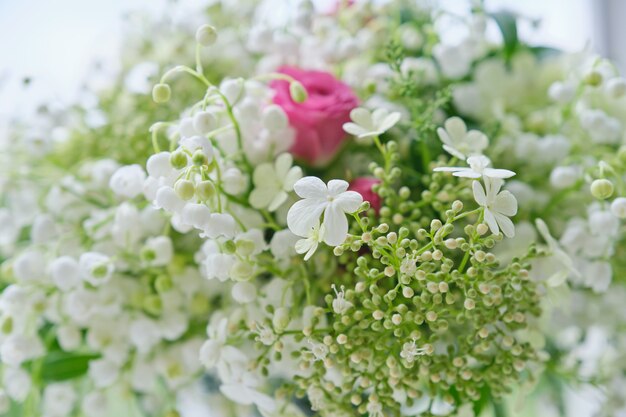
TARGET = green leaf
(61,366)
(507,23)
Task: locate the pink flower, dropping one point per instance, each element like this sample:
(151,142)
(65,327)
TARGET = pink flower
(363,186)
(319,120)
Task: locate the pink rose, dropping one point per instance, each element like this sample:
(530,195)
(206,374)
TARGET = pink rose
(319,120)
(363,186)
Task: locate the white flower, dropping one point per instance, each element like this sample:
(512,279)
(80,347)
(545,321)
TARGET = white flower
(144,334)
(266,335)
(58,400)
(243,292)
(29,266)
(158,251)
(340,304)
(95,268)
(499,206)
(478,167)
(319,350)
(128,181)
(211,350)
(65,273)
(273,182)
(559,254)
(17,383)
(333,200)
(95,405)
(69,337)
(366,124)
(618,207)
(20,348)
(410,351)
(564,176)
(103,372)
(311,242)
(220,224)
(457,141)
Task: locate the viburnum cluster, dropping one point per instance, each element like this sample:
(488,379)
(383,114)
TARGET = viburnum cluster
(338,214)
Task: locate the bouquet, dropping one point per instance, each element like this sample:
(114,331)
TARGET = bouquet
(338,214)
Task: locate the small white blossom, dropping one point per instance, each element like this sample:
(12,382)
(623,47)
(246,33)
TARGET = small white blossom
(340,304)
(128,181)
(95,268)
(319,350)
(159,251)
(366,124)
(410,351)
(309,245)
(58,400)
(478,167)
(618,207)
(265,335)
(332,200)
(457,141)
(273,182)
(499,206)
(65,273)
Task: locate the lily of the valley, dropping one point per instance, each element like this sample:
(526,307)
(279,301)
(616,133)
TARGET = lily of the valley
(478,167)
(498,206)
(273,182)
(333,200)
(366,124)
(460,142)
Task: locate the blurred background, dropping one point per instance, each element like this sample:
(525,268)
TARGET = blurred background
(54,44)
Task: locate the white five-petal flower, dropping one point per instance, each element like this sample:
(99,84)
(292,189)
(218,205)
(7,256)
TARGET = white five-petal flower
(366,124)
(333,200)
(309,244)
(478,167)
(273,182)
(457,141)
(499,206)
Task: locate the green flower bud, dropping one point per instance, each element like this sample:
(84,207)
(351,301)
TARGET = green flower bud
(206,35)
(163,283)
(594,79)
(152,304)
(205,190)
(178,159)
(198,158)
(298,92)
(602,189)
(161,93)
(185,189)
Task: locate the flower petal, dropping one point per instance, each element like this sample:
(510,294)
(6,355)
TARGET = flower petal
(467,173)
(311,187)
(336,187)
(449,169)
(477,140)
(261,197)
(505,224)
(389,121)
(479,193)
(455,126)
(505,203)
(335,224)
(264,174)
(304,215)
(277,201)
(498,173)
(362,117)
(283,164)
(304,245)
(454,152)
(349,201)
(354,129)
(293,175)
(490,219)
(444,137)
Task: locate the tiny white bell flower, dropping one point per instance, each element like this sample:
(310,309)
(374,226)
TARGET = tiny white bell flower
(166,198)
(616,87)
(58,400)
(206,35)
(244,292)
(274,118)
(158,165)
(562,92)
(95,404)
(69,337)
(186,128)
(95,268)
(65,273)
(16,382)
(160,249)
(220,224)
(196,215)
(128,181)
(232,89)
(29,266)
(103,372)
(564,176)
(204,122)
(618,207)
(201,143)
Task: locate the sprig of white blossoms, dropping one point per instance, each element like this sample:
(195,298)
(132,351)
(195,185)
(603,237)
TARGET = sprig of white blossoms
(333,200)
(478,167)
